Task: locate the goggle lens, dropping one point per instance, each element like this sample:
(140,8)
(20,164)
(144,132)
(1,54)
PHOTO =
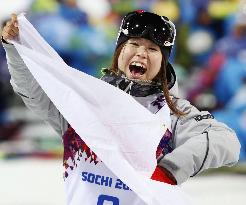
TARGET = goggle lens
(161,30)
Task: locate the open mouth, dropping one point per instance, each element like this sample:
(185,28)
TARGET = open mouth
(137,69)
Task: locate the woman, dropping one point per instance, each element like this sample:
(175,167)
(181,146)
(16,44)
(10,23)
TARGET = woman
(140,67)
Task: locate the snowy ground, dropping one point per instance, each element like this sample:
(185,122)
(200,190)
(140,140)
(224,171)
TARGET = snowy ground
(39,182)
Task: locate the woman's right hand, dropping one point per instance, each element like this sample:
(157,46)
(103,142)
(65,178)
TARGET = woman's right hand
(11,30)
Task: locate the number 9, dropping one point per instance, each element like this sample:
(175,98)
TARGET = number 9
(112,199)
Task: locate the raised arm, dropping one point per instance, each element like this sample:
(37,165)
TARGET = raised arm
(24,83)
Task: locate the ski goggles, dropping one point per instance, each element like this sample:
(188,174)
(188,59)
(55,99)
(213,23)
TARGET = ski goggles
(141,24)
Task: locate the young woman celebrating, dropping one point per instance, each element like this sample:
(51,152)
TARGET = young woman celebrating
(194,142)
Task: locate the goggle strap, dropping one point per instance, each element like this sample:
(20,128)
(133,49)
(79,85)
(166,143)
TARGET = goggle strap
(120,30)
(167,43)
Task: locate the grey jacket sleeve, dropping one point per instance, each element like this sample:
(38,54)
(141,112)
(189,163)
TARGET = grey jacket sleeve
(31,93)
(200,142)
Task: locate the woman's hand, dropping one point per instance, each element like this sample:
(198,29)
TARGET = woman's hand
(10,30)
(163,175)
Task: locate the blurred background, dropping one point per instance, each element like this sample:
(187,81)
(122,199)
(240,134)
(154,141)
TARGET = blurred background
(209,59)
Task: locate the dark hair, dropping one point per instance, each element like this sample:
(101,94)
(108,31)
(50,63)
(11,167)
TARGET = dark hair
(160,77)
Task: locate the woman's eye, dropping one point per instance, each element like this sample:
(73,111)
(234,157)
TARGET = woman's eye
(134,43)
(153,49)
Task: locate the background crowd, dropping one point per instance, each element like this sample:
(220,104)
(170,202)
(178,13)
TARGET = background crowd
(209,58)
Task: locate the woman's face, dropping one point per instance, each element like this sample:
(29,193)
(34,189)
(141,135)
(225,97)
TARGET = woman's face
(140,59)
